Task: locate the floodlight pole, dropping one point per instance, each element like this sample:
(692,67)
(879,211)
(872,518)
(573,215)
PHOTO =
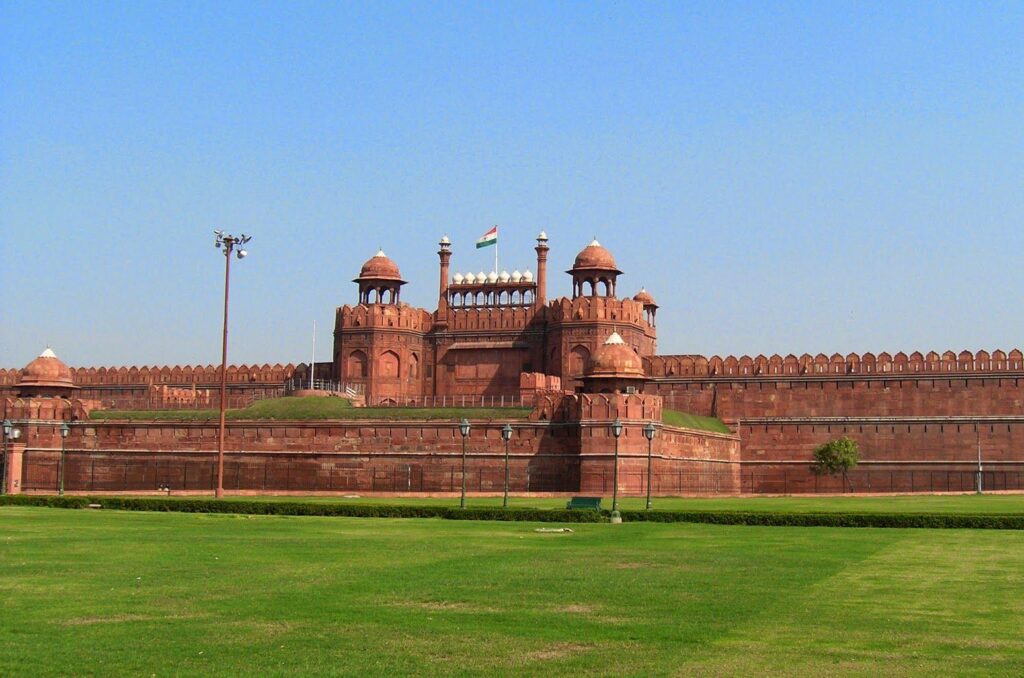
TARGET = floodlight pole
(227,243)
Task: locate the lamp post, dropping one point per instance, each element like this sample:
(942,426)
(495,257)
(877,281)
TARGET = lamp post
(616,431)
(11,432)
(979,491)
(227,243)
(64,431)
(506,435)
(649,433)
(464,430)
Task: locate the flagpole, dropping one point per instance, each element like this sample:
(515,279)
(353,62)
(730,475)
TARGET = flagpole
(495,248)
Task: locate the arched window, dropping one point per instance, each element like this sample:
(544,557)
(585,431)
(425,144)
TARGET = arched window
(357,364)
(390,365)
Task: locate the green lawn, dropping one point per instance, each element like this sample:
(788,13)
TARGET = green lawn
(291,408)
(108,593)
(677,418)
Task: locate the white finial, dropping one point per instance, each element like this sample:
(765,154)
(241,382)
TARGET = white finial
(445,240)
(380,253)
(48,353)
(594,243)
(543,237)
(614,339)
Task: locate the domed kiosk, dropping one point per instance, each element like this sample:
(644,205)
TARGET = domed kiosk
(46,377)
(593,265)
(650,307)
(381,275)
(614,368)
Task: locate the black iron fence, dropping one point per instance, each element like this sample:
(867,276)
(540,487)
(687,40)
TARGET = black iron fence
(799,481)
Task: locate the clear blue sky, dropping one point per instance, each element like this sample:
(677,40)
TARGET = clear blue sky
(783,177)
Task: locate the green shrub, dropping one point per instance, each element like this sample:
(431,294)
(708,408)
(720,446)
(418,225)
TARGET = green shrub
(303,508)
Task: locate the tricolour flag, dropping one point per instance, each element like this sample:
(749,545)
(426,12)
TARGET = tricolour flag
(489,238)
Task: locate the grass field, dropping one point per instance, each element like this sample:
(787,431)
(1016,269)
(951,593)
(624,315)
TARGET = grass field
(110,593)
(310,409)
(687,420)
(291,408)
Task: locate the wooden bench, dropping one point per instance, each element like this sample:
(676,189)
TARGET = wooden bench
(584,504)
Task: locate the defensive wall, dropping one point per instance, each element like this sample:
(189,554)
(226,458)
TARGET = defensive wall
(920,419)
(565,446)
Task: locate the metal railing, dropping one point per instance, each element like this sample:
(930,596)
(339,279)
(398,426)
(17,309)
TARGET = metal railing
(445,401)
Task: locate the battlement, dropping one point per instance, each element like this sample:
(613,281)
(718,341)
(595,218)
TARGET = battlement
(508,318)
(383,316)
(178,374)
(667,366)
(626,311)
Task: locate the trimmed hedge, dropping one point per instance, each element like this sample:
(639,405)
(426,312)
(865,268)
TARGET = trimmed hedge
(836,519)
(301,508)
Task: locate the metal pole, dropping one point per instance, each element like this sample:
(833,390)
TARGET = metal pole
(462,497)
(312,358)
(650,442)
(979,461)
(60,469)
(223,372)
(504,502)
(615,478)
(3,470)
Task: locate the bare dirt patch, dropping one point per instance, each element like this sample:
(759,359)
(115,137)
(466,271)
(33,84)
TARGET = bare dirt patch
(556,651)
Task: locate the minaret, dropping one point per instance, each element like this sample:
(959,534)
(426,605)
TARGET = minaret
(541,299)
(445,253)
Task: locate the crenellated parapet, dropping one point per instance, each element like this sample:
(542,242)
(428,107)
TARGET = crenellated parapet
(491,319)
(179,374)
(383,316)
(668,366)
(591,309)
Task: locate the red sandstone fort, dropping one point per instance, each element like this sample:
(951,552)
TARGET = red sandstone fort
(923,421)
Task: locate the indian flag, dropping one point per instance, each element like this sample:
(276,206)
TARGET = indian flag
(489,238)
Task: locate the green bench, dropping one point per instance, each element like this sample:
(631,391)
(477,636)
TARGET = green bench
(584,504)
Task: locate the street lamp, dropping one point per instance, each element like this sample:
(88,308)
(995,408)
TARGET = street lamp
(506,435)
(228,243)
(649,433)
(616,431)
(64,431)
(464,430)
(11,432)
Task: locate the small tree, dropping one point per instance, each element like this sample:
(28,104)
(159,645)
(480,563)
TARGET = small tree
(836,457)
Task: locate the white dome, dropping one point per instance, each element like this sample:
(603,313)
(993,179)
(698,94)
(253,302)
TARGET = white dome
(543,236)
(470,278)
(445,240)
(504,277)
(516,276)
(527,276)
(492,277)
(457,279)
(481,277)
